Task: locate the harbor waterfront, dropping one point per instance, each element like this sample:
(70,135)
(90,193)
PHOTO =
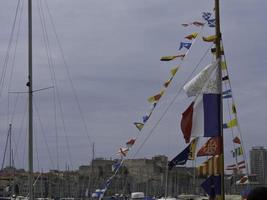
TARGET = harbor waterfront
(144,175)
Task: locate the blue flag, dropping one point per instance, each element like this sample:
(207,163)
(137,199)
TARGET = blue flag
(212,185)
(186,45)
(211,22)
(116,165)
(145,118)
(180,159)
(206,15)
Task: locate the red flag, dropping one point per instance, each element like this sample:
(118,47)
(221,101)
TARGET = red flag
(210,148)
(198,24)
(186,122)
(131,142)
(237,140)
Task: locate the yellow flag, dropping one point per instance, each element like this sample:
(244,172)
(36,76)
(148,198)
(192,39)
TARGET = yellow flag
(232,123)
(192,149)
(155,98)
(223,65)
(191,36)
(167,58)
(174,70)
(210,38)
(139,126)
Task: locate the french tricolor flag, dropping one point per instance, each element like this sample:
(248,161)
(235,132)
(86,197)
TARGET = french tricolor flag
(202,117)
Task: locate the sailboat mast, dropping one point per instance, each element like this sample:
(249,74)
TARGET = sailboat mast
(29,84)
(218,57)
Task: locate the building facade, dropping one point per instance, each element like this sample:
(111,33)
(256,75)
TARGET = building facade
(258,163)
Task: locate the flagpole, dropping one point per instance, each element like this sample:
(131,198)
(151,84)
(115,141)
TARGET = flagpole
(218,57)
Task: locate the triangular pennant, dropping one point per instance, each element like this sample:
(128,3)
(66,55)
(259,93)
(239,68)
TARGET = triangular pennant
(233,109)
(155,98)
(139,126)
(167,83)
(237,140)
(191,36)
(174,70)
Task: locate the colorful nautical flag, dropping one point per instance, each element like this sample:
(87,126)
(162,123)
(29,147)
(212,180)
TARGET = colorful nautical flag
(186,45)
(123,151)
(202,117)
(167,83)
(225,78)
(210,38)
(198,24)
(195,23)
(210,167)
(191,36)
(130,142)
(211,148)
(169,58)
(116,165)
(206,15)
(145,118)
(187,122)
(155,98)
(237,152)
(242,180)
(174,70)
(233,109)
(139,126)
(193,147)
(212,186)
(223,65)
(236,140)
(180,159)
(211,22)
(185,25)
(196,84)
(236,167)
(232,123)
(227,94)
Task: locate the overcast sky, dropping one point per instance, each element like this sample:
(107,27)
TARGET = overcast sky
(112,50)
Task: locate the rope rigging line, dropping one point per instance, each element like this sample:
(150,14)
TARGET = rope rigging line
(68,73)
(6,58)
(170,104)
(238,125)
(51,66)
(13,66)
(43,133)
(20,133)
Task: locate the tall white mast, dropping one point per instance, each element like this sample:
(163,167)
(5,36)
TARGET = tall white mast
(29,84)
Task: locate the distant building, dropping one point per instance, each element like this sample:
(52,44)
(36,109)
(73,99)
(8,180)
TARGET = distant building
(258,163)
